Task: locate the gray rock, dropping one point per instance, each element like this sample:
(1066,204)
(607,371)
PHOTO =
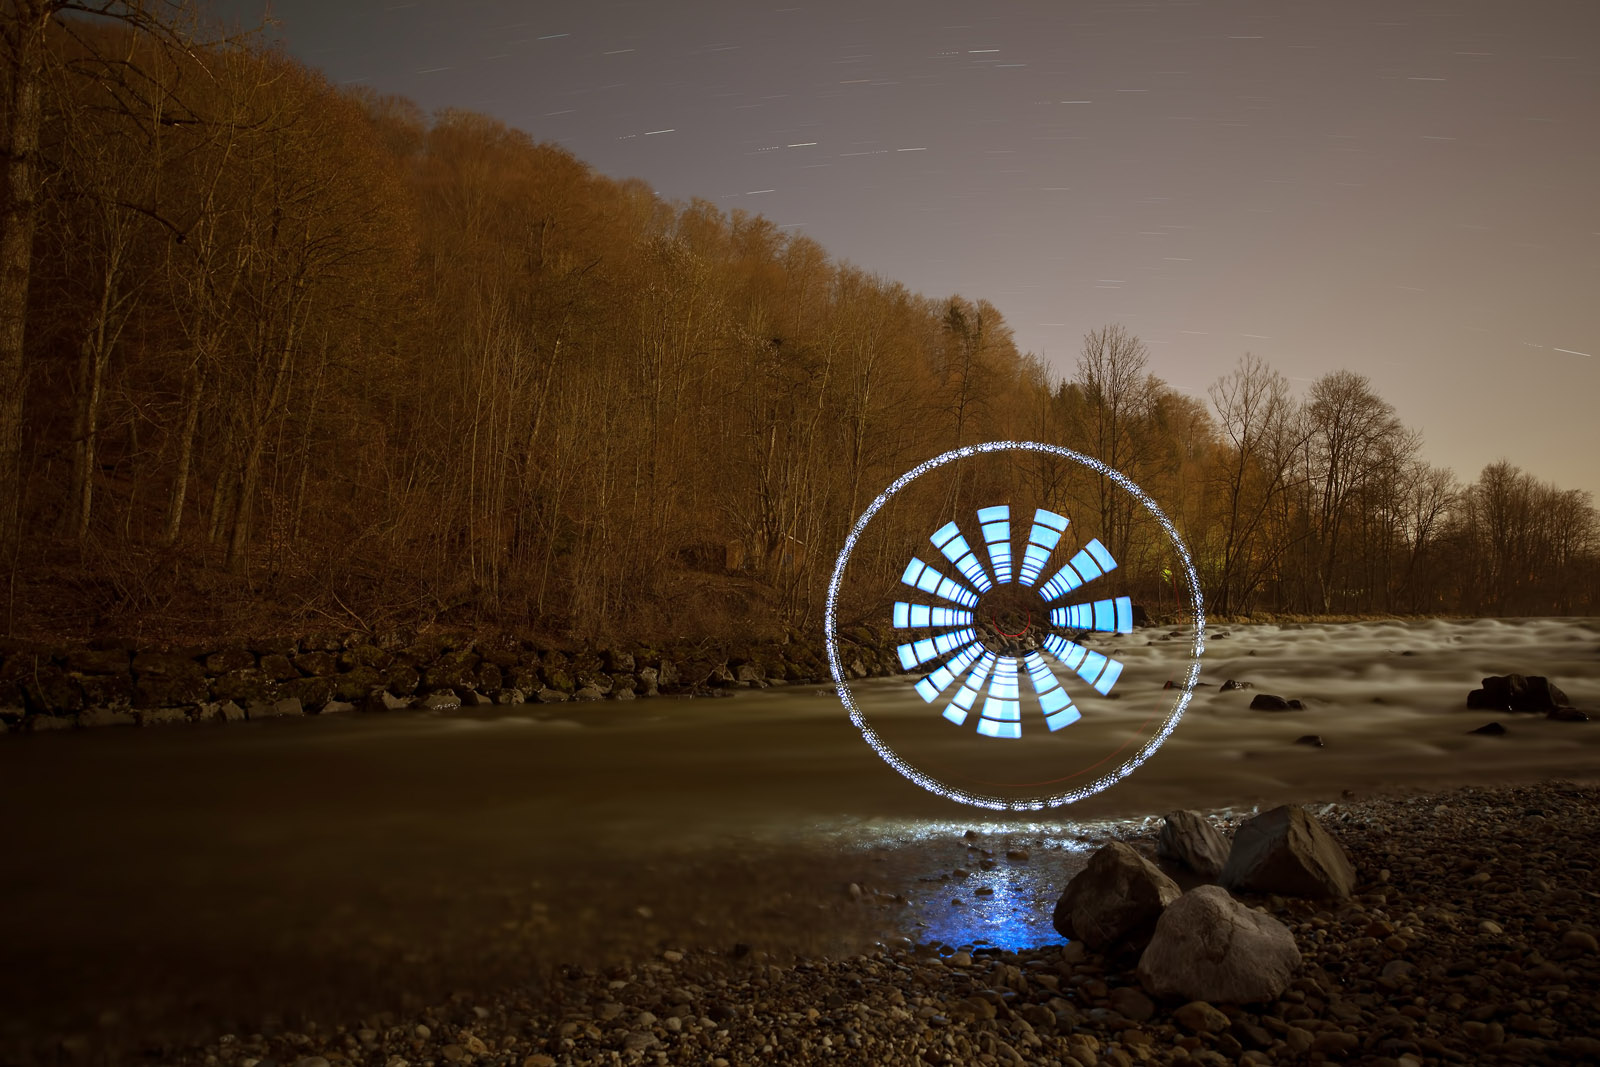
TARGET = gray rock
(218,711)
(105,717)
(1515,692)
(1201,1018)
(623,694)
(101,661)
(1131,1004)
(588,692)
(1189,839)
(510,696)
(1116,899)
(1287,851)
(471,698)
(162,717)
(748,674)
(44,723)
(1492,729)
(440,700)
(337,707)
(1209,947)
(549,696)
(639,1041)
(667,673)
(274,709)
(383,700)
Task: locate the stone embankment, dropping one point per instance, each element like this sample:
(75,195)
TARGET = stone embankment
(110,683)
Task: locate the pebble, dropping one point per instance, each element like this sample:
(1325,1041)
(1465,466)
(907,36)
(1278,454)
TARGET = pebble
(1411,970)
(1200,1017)
(1580,939)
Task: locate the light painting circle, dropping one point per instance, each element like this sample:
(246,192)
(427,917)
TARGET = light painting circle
(966,680)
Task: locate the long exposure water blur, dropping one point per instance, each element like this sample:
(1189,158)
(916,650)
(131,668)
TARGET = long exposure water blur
(226,873)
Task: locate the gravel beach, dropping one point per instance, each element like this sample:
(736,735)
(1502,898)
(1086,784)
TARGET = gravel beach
(1471,938)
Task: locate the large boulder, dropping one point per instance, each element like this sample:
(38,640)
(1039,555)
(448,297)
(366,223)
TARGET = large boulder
(97,661)
(166,680)
(1515,692)
(1287,851)
(1209,947)
(1115,900)
(1187,838)
(1269,702)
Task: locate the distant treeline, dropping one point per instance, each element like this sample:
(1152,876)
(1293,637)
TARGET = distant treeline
(274,353)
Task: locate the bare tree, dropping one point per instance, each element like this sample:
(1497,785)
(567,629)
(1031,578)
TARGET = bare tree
(32,67)
(1119,395)
(1351,434)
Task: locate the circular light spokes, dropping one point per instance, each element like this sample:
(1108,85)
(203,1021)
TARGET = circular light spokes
(991,693)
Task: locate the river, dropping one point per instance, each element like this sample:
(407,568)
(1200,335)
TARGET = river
(229,873)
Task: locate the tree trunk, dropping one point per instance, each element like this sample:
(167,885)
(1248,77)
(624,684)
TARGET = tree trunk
(24,29)
(180,478)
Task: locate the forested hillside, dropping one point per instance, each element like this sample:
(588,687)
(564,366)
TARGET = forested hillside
(277,355)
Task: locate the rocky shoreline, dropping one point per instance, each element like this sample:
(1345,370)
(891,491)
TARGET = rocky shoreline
(1470,938)
(111,683)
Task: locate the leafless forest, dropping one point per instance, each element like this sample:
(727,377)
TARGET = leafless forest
(278,355)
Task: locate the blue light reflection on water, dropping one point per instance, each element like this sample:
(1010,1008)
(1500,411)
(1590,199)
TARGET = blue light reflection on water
(1013,918)
(1016,911)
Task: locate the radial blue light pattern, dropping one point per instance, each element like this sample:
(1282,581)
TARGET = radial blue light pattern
(1001,714)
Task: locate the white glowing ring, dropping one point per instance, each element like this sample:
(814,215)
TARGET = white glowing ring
(933,785)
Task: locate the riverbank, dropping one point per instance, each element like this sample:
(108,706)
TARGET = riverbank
(47,687)
(1471,939)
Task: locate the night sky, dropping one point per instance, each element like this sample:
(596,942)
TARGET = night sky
(1408,190)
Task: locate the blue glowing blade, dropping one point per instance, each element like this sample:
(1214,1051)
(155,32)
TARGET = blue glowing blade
(925,616)
(961,703)
(1113,616)
(1099,670)
(936,682)
(1002,710)
(1054,702)
(1090,563)
(996,525)
(915,653)
(919,575)
(948,539)
(1042,540)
